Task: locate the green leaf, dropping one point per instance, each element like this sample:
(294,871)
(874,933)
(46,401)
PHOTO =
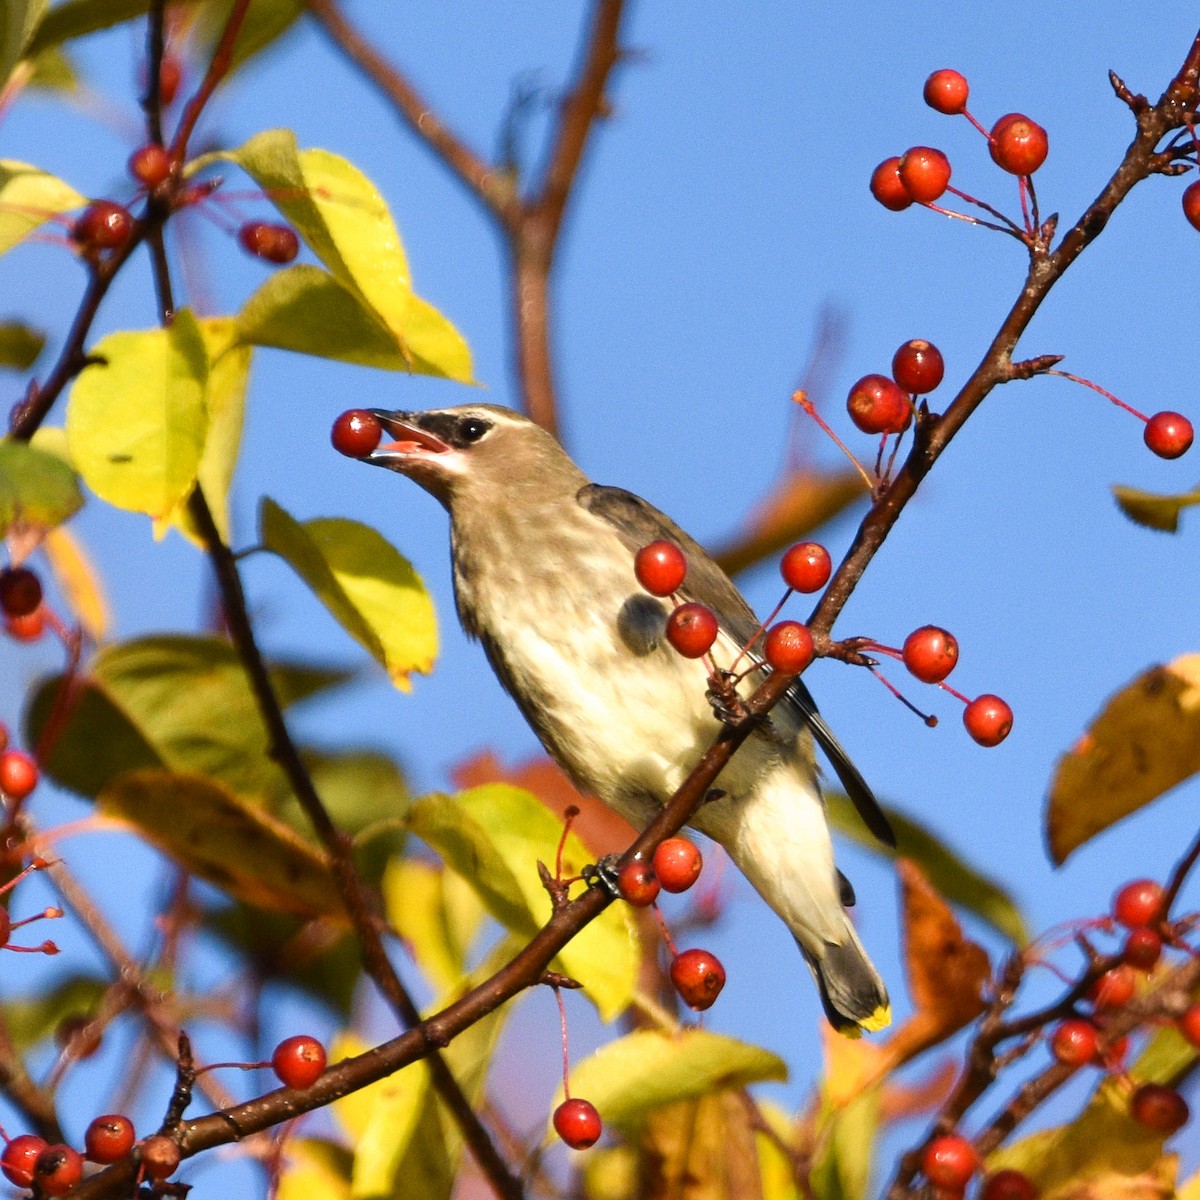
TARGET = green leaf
(225,400)
(1145,742)
(233,844)
(630,1077)
(179,703)
(53,71)
(36,488)
(19,20)
(320,957)
(370,589)
(955,879)
(345,221)
(136,425)
(77,18)
(265,22)
(1153,510)
(32,1019)
(29,197)
(494,836)
(436,914)
(20,344)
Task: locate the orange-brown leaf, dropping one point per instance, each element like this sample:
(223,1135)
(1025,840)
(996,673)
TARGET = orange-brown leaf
(946,971)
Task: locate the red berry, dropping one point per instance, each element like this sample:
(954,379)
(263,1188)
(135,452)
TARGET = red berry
(150,164)
(660,568)
(109,1138)
(988,720)
(299,1061)
(924,172)
(1143,949)
(578,1123)
(160,1157)
(886,186)
(1115,988)
(103,225)
(28,628)
(20,591)
(1168,434)
(19,1156)
(918,367)
(949,1162)
(57,1170)
(1008,1185)
(930,653)
(677,863)
(170,72)
(946,91)
(1139,904)
(692,629)
(1191,204)
(698,978)
(1018,145)
(356,433)
(806,567)
(18,774)
(274,243)
(1159,1108)
(1075,1042)
(878,405)
(5,926)
(1189,1025)
(788,647)
(638,884)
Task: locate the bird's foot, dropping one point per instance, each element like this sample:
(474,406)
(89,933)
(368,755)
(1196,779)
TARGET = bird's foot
(603,874)
(728,707)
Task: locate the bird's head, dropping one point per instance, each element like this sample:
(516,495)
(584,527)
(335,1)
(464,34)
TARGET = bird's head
(474,452)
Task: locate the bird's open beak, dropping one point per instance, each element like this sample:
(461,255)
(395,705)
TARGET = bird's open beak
(411,442)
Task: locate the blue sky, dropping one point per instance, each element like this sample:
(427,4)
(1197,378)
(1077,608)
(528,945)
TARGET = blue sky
(723,208)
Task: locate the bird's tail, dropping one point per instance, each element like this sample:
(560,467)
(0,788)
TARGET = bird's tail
(852,993)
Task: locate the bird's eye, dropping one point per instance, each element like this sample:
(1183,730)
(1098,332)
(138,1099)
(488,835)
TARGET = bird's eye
(471,429)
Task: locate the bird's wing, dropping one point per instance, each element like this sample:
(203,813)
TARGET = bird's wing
(637,523)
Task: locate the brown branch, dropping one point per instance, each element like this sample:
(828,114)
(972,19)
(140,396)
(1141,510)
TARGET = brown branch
(524,970)
(495,189)
(338,846)
(1141,160)
(34,1102)
(531,228)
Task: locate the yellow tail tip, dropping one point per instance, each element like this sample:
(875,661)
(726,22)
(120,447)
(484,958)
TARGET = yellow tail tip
(881,1018)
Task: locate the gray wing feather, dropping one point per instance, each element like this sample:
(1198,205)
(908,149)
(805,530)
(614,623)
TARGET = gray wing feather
(638,522)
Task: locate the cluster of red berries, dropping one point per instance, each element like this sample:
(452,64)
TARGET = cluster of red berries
(921,175)
(698,975)
(692,628)
(1139,908)
(930,654)
(30,1161)
(356,433)
(21,603)
(884,404)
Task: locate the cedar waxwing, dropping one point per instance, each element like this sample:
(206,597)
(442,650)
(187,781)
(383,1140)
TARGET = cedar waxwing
(544,578)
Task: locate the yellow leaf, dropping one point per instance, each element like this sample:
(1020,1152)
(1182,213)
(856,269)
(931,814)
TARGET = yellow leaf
(364,582)
(314,1170)
(78,581)
(28,197)
(628,1078)
(1145,742)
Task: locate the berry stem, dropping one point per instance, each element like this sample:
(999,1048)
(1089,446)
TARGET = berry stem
(1087,383)
(218,68)
(801,398)
(928,718)
(566,1057)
